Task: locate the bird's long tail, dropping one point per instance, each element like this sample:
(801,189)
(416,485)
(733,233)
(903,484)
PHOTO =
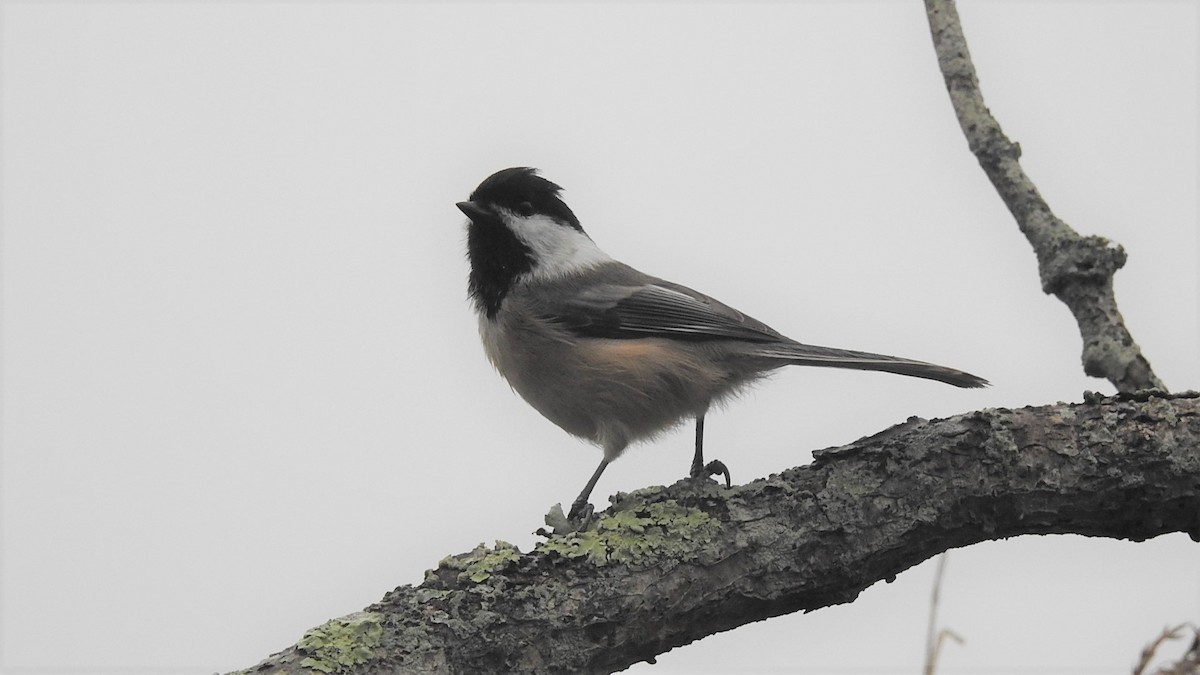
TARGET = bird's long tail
(811,355)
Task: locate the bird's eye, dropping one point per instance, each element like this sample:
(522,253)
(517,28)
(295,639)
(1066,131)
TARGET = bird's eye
(525,209)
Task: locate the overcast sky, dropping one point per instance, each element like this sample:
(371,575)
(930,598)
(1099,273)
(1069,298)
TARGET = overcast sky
(242,386)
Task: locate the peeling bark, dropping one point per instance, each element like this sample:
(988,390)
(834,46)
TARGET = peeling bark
(667,566)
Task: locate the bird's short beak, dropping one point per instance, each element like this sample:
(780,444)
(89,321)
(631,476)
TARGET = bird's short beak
(473,210)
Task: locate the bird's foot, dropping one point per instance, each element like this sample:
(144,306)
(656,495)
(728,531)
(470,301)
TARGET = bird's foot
(581,518)
(713,468)
(580,512)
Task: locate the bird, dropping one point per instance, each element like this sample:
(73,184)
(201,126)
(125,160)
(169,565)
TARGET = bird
(608,353)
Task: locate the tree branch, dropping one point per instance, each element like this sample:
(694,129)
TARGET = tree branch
(667,566)
(1077,270)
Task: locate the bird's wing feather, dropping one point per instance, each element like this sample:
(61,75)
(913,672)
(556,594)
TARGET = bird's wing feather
(654,309)
(638,306)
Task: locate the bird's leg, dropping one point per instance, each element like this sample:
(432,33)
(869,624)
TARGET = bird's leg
(713,468)
(698,459)
(580,508)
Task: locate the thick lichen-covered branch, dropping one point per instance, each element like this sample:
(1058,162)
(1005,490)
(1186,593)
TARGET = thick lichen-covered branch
(667,566)
(1077,270)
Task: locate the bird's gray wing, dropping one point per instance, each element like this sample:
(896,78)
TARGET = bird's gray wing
(653,309)
(641,307)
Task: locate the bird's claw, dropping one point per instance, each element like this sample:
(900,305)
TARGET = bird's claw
(581,518)
(713,468)
(580,512)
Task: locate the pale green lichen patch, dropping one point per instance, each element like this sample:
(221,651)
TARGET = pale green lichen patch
(336,646)
(637,534)
(1163,409)
(481,563)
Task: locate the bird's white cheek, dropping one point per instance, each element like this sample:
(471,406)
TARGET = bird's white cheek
(557,250)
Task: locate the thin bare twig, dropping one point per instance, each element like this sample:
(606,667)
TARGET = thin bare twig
(931,628)
(1188,664)
(933,637)
(1077,270)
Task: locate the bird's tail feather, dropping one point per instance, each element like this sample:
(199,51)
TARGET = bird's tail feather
(812,355)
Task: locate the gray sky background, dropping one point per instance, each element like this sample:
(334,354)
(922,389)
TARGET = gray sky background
(242,386)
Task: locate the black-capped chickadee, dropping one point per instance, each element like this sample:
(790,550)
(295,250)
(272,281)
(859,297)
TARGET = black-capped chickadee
(608,353)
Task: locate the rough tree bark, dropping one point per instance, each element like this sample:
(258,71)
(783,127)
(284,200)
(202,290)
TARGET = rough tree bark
(667,566)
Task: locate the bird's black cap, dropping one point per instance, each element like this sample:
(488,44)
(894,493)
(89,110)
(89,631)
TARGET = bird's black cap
(523,192)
